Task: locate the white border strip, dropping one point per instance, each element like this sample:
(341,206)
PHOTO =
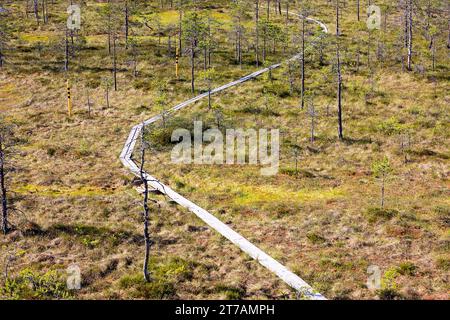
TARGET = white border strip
(263,258)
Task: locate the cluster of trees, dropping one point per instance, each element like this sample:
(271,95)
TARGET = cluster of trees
(39,9)
(195,33)
(419,17)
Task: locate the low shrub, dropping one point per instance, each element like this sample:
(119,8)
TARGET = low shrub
(231,292)
(315,238)
(30,285)
(443,215)
(407,268)
(376,214)
(164,276)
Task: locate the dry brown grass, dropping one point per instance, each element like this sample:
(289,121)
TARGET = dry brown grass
(72,186)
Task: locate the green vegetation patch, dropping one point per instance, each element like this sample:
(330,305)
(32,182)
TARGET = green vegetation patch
(30,285)
(407,268)
(165,275)
(376,214)
(230,292)
(315,238)
(443,215)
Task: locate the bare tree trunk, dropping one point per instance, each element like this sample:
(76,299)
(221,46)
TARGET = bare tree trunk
(36,10)
(3,188)
(433,56)
(382,191)
(209,95)
(291,79)
(257,32)
(72,44)
(180,18)
(405,21)
(66,59)
(358,10)
(107,96)
(337,19)
(192,66)
(240,43)
(109,30)
(44,11)
(303,65)
(135,54)
(209,43)
(410,33)
(114,63)
(358,60)
(27,5)
(264,42)
(339,94)
(287,12)
(312,113)
(339,76)
(145,207)
(448,25)
(126,24)
(88,103)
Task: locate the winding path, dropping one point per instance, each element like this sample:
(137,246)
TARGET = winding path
(263,258)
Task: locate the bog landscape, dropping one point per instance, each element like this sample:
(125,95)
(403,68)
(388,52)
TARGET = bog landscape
(212,149)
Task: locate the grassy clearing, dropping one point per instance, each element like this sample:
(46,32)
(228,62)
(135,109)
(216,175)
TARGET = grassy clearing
(322,219)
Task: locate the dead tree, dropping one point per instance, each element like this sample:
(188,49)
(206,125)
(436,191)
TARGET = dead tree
(448,28)
(408,19)
(36,10)
(107,95)
(5,143)
(410,35)
(145,206)
(115,62)
(134,56)
(88,103)
(127,23)
(3,189)
(45,11)
(312,113)
(180,26)
(66,51)
(339,76)
(290,78)
(107,84)
(302,64)
(358,10)
(287,12)
(257,32)
(238,29)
